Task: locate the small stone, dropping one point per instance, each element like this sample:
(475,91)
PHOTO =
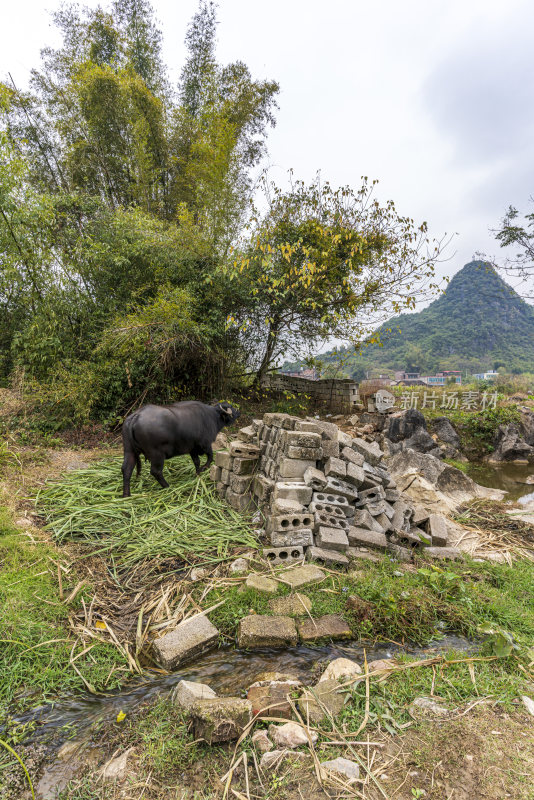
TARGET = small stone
(197,573)
(238,566)
(380,663)
(189,639)
(290,735)
(348,771)
(528,703)
(117,768)
(302,576)
(262,631)
(260,583)
(327,694)
(330,626)
(292,605)
(275,757)
(340,668)
(427,707)
(262,742)
(220,719)
(186,693)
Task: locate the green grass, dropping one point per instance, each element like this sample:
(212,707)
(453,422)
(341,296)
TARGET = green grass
(412,607)
(35,643)
(186,521)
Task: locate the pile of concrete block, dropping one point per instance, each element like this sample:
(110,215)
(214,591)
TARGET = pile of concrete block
(325,495)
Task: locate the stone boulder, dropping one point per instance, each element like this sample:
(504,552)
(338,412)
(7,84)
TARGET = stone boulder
(434,485)
(527,426)
(403,424)
(510,445)
(407,430)
(443,429)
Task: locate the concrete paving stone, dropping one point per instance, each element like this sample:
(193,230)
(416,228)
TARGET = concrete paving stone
(260,583)
(330,626)
(259,630)
(188,640)
(303,576)
(446,553)
(220,719)
(185,693)
(291,605)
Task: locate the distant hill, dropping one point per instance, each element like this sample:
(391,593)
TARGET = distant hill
(478,323)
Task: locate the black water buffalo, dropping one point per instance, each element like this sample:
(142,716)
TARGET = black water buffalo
(161,432)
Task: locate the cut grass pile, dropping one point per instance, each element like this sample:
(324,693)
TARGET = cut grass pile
(186,521)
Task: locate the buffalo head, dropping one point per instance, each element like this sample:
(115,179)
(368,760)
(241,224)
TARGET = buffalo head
(228,413)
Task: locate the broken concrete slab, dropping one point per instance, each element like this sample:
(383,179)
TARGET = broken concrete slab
(258,630)
(189,639)
(330,626)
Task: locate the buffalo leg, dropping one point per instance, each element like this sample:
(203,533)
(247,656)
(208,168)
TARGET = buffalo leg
(156,469)
(209,460)
(196,461)
(128,465)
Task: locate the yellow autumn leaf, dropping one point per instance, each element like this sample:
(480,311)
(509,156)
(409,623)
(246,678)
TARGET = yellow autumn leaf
(101,625)
(120,716)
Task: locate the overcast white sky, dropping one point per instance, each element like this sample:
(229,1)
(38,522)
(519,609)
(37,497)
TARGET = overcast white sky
(434,99)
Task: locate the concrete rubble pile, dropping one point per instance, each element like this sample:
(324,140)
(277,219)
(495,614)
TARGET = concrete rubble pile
(325,495)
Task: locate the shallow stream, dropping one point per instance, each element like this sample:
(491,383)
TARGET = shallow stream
(228,670)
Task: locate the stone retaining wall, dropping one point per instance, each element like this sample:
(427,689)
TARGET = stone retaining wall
(340,395)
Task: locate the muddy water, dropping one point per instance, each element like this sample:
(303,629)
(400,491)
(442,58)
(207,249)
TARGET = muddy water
(510,477)
(228,671)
